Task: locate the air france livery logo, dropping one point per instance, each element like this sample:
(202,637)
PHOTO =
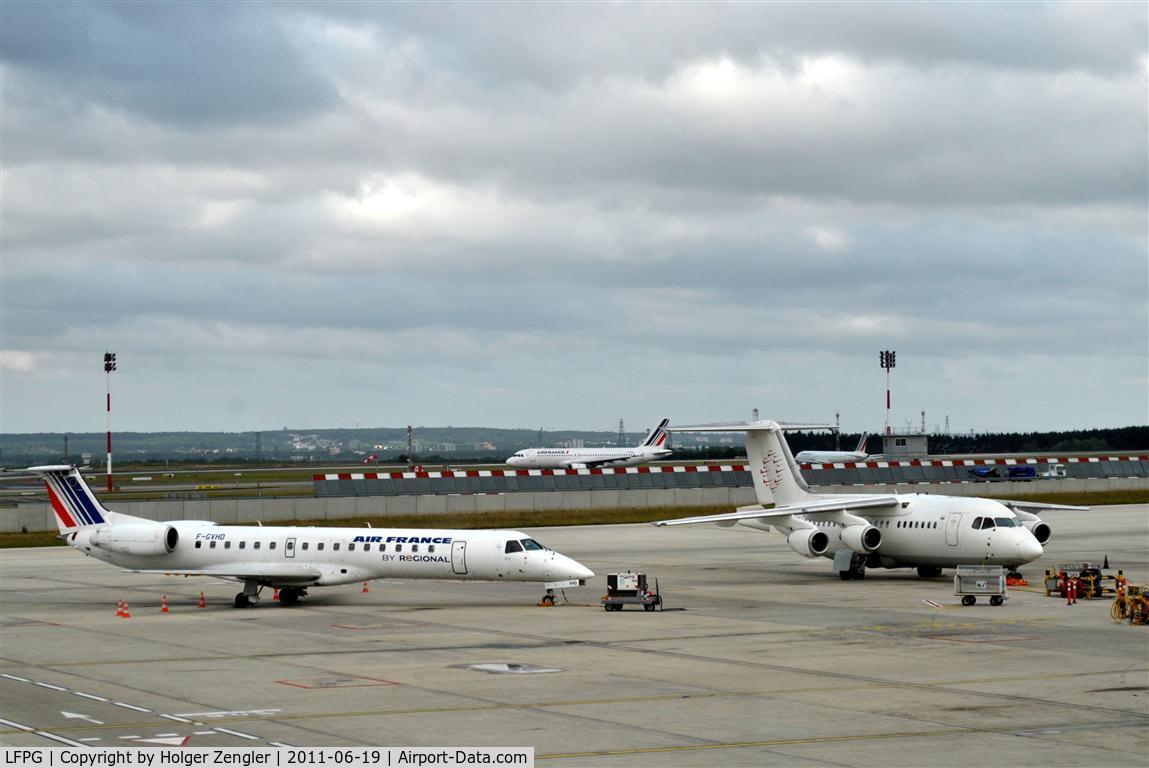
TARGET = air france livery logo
(771,471)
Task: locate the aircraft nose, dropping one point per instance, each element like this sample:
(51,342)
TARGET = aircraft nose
(569,568)
(1029,548)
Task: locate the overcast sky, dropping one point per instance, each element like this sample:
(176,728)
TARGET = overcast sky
(557,216)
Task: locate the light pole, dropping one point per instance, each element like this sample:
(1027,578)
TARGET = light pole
(887,359)
(109,366)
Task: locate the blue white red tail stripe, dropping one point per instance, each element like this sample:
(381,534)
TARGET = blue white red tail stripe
(73,503)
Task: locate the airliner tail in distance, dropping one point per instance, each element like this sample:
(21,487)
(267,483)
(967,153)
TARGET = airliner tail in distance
(652,448)
(832,457)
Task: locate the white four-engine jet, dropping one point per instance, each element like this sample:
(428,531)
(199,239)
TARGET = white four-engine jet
(650,449)
(295,559)
(890,530)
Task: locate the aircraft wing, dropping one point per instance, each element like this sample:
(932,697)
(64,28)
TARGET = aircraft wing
(280,572)
(810,509)
(591,463)
(1035,506)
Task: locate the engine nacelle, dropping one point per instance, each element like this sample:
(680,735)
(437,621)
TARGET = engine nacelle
(1040,530)
(136,539)
(809,542)
(861,538)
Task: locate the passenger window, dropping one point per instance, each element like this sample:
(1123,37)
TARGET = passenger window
(243,545)
(350,547)
(271,545)
(431,548)
(366,547)
(398,547)
(255,545)
(227,545)
(305,545)
(212,545)
(319,546)
(414,547)
(512,546)
(335,547)
(198,544)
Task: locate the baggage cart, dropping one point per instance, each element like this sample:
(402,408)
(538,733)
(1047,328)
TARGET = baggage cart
(974,581)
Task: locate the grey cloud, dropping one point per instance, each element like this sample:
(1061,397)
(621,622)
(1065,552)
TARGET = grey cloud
(185,63)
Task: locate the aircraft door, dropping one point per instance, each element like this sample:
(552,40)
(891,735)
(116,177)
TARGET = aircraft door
(459,557)
(952,529)
(289,548)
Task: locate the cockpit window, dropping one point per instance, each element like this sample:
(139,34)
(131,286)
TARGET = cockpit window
(530,545)
(987,522)
(513,546)
(977,523)
(1005,522)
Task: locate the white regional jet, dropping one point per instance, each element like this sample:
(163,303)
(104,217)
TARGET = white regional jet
(649,449)
(295,559)
(889,530)
(830,457)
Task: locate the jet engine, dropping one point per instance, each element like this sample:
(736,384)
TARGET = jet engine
(136,539)
(861,538)
(809,542)
(1040,530)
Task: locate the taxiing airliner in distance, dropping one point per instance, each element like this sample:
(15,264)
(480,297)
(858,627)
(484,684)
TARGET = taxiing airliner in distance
(886,530)
(650,449)
(831,457)
(294,559)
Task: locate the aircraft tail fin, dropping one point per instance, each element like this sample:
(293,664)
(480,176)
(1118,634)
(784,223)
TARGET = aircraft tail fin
(777,479)
(72,500)
(657,436)
(862,443)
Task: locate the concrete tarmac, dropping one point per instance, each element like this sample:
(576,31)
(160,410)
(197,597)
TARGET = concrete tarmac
(760,658)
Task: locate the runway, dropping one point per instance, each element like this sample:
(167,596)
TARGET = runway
(761,658)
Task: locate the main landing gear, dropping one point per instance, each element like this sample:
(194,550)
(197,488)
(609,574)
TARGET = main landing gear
(249,597)
(548,599)
(857,569)
(929,571)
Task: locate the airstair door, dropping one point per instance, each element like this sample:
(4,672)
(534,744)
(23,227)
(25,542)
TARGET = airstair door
(459,557)
(952,529)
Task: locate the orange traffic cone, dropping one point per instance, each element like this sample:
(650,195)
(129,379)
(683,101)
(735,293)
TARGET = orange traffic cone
(276,595)
(164,604)
(365,587)
(126,614)
(202,601)
(119,608)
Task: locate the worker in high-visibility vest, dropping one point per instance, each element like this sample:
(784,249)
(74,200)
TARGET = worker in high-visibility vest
(1119,580)
(1071,592)
(1062,585)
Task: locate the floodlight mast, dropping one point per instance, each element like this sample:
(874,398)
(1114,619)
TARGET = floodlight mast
(887,358)
(109,366)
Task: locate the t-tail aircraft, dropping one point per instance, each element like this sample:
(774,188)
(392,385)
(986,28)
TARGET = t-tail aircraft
(887,530)
(295,559)
(831,457)
(650,449)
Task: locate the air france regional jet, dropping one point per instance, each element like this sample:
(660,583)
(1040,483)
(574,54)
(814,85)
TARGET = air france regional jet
(889,530)
(650,449)
(830,457)
(295,559)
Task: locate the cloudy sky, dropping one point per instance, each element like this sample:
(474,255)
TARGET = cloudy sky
(523,215)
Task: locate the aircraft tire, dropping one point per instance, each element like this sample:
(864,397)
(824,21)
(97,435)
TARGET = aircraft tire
(288,596)
(241,601)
